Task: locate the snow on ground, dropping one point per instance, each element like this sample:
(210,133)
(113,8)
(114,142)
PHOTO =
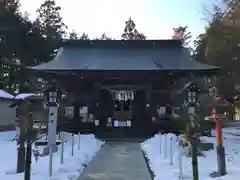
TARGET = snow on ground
(160,159)
(71,168)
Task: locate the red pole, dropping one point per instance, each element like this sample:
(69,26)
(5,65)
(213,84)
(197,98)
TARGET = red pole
(219,131)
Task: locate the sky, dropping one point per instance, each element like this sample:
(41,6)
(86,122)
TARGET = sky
(154,18)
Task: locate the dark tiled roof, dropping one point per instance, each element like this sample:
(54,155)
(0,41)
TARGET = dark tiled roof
(142,55)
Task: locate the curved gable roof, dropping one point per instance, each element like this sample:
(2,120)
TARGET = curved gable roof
(118,55)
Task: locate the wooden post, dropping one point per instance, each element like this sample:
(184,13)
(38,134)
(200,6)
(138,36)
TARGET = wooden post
(148,93)
(165,145)
(180,164)
(27,174)
(62,147)
(79,140)
(194,152)
(160,143)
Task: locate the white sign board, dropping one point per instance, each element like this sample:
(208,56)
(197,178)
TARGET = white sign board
(115,123)
(122,123)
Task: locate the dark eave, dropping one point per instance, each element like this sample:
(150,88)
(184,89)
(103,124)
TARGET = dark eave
(122,44)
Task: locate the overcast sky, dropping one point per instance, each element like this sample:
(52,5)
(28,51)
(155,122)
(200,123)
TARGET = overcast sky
(154,18)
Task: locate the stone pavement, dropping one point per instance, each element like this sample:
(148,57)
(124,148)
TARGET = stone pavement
(117,161)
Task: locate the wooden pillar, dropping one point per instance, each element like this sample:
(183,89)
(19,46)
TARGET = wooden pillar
(148,93)
(148,111)
(97,110)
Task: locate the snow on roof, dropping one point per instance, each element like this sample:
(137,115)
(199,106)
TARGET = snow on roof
(5,95)
(24,95)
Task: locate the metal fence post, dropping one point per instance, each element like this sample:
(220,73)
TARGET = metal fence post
(79,140)
(171,152)
(160,143)
(62,146)
(72,144)
(180,175)
(165,145)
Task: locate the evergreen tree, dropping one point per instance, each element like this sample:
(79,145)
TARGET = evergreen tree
(22,44)
(130,31)
(84,36)
(12,31)
(73,35)
(182,34)
(51,26)
(103,37)
(51,21)
(219,46)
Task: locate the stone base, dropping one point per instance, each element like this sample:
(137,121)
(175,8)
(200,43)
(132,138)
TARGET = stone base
(206,146)
(215,174)
(45,151)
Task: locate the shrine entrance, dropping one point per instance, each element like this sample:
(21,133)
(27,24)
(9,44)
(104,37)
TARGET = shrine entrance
(123,108)
(122,113)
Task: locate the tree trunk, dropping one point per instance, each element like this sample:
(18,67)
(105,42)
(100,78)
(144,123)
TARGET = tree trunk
(233,117)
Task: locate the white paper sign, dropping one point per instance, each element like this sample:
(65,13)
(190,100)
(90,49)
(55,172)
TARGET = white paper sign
(122,123)
(96,122)
(18,132)
(129,123)
(83,110)
(161,110)
(115,123)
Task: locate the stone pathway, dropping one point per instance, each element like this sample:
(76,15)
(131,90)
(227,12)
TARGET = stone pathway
(117,161)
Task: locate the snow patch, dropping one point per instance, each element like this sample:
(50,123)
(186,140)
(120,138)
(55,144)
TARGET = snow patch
(158,153)
(70,170)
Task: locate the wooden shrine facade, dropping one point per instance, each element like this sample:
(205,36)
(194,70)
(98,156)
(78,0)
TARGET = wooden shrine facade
(119,88)
(131,114)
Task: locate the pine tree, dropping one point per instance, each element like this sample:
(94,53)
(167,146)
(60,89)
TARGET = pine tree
(181,33)
(103,37)
(84,36)
(130,31)
(73,35)
(51,21)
